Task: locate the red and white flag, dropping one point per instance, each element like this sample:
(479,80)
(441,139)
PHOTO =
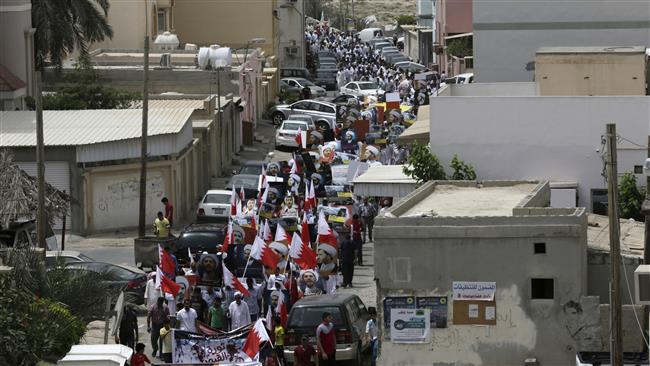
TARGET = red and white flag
(229,238)
(189,255)
(281,235)
(304,230)
(325,233)
(264,196)
(230,280)
(301,138)
(281,310)
(165,284)
(253,224)
(264,254)
(166,261)
(269,319)
(312,195)
(256,336)
(233,201)
(266,234)
(302,254)
(242,195)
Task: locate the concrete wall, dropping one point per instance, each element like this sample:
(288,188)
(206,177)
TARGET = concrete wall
(458,16)
(227,23)
(507,34)
(434,252)
(599,276)
(291,33)
(493,89)
(129,19)
(28,154)
(591,73)
(16,48)
(547,138)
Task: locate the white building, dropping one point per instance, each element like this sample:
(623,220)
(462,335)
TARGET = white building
(507,131)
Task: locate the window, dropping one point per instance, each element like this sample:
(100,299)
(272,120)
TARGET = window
(638,169)
(217,198)
(541,288)
(161,21)
(311,317)
(540,248)
(301,105)
(292,83)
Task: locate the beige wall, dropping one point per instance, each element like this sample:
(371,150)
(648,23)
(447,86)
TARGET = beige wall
(227,23)
(591,74)
(15,41)
(128,21)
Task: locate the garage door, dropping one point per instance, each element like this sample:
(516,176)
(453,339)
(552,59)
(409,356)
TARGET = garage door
(57,173)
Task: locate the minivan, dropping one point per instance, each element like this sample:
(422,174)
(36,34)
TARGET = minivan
(349,317)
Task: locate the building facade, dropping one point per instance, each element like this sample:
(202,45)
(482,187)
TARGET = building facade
(291,37)
(507,34)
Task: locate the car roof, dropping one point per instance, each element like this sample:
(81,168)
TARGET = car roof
(192,228)
(128,268)
(253,163)
(364,82)
(466,75)
(62,253)
(218,191)
(318,101)
(244,176)
(325,300)
(295,121)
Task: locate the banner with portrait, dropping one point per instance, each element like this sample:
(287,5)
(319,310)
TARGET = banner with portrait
(195,348)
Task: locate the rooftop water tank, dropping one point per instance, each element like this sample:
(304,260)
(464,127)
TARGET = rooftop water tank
(166,41)
(214,57)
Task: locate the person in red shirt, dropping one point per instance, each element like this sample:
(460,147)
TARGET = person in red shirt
(357,225)
(272,359)
(169,210)
(139,358)
(326,341)
(303,353)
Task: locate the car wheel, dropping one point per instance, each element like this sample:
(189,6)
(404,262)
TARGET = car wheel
(277,118)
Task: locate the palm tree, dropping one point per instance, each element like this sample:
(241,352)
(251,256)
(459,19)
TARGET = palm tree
(65,25)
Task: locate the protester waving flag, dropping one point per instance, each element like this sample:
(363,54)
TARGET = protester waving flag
(256,337)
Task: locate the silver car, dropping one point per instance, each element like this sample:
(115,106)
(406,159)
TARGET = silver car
(300,83)
(285,136)
(324,113)
(214,207)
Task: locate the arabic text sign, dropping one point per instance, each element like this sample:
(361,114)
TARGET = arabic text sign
(410,325)
(477,291)
(194,348)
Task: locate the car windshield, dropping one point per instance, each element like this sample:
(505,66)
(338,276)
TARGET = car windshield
(111,271)
(217,198)
(301,118)
(251,169)
(293,126)
(310,317)
(304,82)
(324,75)
(367,86)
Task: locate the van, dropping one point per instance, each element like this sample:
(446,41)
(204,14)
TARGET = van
(349,317)
(370,33)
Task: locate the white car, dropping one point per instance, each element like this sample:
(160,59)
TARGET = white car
(66,256)
(461,79)
(285,136)
(214,207)
(300,83)
(361,89)
(305,118)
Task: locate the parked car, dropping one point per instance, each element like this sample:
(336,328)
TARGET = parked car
(294,72)
(382,45)
(214,207)
(251,167)
(343,99)
(53,257)
(305,118)
(20,234)
(349,317)
(410,66)
(298,84)
(325,53)
(393,59)
(118,278)
(326,79)
(327,59)
(461,79)
(199,238)
(248,181)
(285,136)
(361,88)
(324,113)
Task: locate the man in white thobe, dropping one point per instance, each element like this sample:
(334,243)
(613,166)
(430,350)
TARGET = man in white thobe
(238,312)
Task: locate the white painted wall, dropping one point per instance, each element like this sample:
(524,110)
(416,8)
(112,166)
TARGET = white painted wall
(493,89)
(545,138)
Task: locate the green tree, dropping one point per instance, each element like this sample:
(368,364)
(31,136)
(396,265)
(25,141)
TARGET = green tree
(63,26)
(460,47)
(630,198)
(84,91)
(422,165)
(406,20)
(462,171)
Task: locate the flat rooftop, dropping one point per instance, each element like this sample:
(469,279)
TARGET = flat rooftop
(601,49)
(456,200)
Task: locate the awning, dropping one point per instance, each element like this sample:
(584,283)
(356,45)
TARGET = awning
(418,131)
(384,181)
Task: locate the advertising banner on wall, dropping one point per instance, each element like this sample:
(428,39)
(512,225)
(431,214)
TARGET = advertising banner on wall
(475,291)
(410,325)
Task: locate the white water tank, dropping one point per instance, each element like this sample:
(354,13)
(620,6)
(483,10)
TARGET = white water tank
(166,41)
(214,57)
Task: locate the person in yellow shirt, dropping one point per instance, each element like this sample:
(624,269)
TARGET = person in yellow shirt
(166,335)
(278,330)
(161,226)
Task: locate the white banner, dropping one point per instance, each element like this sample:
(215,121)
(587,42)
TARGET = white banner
(195,348)
(477,291)
(410,325)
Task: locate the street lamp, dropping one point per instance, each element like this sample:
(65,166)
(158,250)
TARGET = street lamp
(252,42)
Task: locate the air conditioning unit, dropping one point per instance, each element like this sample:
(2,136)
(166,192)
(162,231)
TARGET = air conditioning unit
(642,284)
(291,51)
(166,60)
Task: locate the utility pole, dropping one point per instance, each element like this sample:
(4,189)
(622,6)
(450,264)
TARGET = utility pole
(645,209)
(220,126)
(40,166)
(143,153)
(341,16)
(616,329)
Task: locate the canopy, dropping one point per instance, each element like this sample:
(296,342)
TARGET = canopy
(418,131)
(384,181)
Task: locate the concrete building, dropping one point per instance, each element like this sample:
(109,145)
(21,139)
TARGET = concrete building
(505,277)
(384,181)
(418,43)
(132,20)
(453,19)
(426,14)
(291,29)
(507,34)
(94,156)
(16,53)
(508,131)
(591,70)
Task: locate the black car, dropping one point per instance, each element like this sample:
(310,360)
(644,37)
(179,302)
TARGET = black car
(295,72)
(326,79)
(251,167)
(199,238)
(249,182)
(117,278)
